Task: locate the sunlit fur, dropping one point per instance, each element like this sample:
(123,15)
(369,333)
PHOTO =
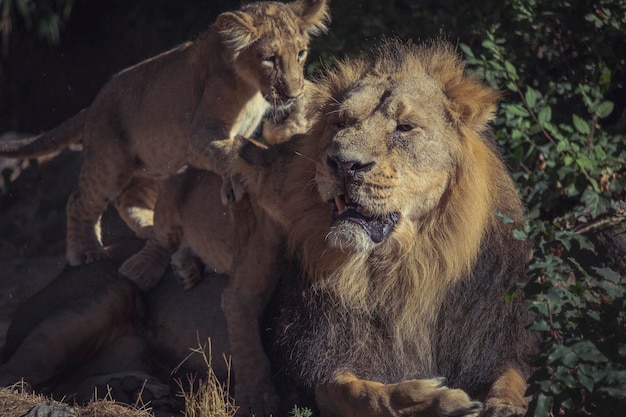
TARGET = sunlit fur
(426,253)
(438,250)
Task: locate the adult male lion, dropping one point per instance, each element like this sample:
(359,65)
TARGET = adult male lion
(181,107)
(391,204)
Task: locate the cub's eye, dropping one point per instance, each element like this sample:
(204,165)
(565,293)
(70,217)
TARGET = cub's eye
(302,55)
(405,127)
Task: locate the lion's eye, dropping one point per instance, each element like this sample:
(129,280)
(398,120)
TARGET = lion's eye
(302,55)
(271,60)
(405,127)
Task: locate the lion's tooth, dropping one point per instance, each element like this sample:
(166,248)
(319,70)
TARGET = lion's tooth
(341,206)
(364,212)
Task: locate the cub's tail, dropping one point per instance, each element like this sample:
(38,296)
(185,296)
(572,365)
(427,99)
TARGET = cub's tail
(71,131)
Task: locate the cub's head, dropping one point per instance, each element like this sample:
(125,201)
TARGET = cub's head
(402,151)
(269,44)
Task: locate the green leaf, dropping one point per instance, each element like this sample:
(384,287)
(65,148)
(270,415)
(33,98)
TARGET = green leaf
(564,376)
(563,355)
(517,110)
(608,274)
(604,109)
(466,50)
(487,44)
(519,234)
(543,406)
(510,69)
(595,203)
(531,97)
(581,125)
(545,115)
(588,352)
(584,162)
(539,325)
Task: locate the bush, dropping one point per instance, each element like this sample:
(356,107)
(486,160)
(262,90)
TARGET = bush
(561,125)
(566,149)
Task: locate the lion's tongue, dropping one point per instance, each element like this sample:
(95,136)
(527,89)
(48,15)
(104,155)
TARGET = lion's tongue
(378,228)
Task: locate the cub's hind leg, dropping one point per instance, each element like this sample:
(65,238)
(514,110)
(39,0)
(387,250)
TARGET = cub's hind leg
(136,205)
(100,181)
(147,266)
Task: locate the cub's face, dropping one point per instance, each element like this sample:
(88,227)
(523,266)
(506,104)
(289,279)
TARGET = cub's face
(388,157)
(275,63)
(269,43)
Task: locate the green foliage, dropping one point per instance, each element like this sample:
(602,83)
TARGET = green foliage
(569,161)
(300,412)
(561,125)
(42,17)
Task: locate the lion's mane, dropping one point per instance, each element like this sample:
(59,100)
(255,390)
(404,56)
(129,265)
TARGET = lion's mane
(430,300)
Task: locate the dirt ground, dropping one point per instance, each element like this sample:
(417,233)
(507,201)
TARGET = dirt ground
(33,195)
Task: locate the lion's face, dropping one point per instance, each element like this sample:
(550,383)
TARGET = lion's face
(270,42)
(388,157)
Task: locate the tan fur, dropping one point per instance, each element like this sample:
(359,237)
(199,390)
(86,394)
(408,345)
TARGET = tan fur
(181,107)
(401,135)
(191,223)
(442,178)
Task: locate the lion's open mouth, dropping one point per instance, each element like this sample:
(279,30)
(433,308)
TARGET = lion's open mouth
(377,227)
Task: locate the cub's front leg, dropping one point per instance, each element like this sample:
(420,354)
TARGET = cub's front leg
(257,248)
(212,150)
(345,395)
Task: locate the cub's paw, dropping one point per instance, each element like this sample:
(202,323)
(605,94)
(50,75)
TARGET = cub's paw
(187,267)
(232,190)
(146,267)
(86,256)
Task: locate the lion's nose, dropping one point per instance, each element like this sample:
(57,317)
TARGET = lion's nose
(348,167)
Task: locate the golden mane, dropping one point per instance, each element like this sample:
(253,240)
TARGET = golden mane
(436,251)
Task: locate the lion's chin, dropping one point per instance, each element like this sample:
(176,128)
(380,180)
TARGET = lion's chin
(355,227)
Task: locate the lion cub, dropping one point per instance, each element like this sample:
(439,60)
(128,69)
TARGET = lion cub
(182,234)
(181,107)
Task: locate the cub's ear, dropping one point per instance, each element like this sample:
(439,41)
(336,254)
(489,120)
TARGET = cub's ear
(314,14)
(237,30)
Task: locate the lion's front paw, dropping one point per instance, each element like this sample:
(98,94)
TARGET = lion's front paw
(497,409)
(430,397)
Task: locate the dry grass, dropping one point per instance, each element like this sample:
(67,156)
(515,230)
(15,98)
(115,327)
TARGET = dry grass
(207,397)
(15,402)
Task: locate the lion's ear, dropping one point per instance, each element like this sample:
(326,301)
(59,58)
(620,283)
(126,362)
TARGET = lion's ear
(314,14)
(472,103)
(237,29)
